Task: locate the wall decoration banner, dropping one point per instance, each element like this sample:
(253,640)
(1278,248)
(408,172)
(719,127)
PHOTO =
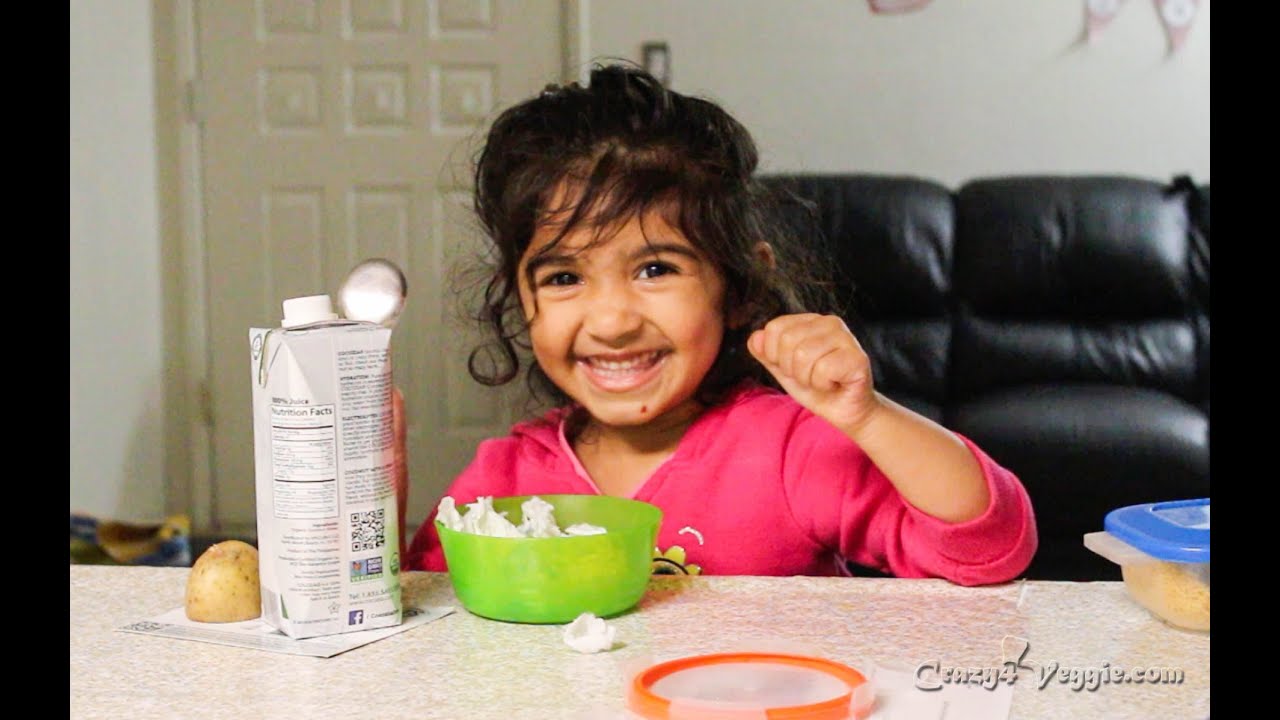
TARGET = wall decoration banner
(890,7)
(1098,14)
(1177,16)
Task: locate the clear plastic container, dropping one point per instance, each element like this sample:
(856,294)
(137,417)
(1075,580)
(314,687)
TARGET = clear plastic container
(1163,553)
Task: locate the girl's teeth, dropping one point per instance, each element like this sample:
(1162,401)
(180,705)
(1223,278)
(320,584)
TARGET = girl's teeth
(620,365)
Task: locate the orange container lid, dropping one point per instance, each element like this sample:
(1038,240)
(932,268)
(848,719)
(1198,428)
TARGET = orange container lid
(739,685)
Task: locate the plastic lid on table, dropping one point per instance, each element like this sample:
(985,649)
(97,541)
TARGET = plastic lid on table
(741,685)
(1176,531)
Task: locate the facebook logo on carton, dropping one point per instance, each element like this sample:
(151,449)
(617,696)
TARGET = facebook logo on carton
(355,617)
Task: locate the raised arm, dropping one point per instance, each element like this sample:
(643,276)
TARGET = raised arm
(819,362)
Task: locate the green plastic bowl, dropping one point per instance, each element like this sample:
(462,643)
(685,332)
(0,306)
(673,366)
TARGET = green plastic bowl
(554,580)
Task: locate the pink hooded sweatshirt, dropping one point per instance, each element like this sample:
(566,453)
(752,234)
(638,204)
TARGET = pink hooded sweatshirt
(761,486)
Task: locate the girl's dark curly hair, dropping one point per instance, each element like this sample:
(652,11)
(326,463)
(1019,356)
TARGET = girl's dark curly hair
(626,146)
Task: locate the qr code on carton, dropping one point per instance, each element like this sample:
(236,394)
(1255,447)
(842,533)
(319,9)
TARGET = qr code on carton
(368,530)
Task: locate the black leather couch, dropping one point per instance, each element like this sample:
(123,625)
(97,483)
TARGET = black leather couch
(1062,322)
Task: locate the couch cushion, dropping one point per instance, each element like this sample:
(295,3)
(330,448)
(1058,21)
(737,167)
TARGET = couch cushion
(908,357)
(1078,248)
(1084,450)
(891,241)
(990,353)
(1073,279)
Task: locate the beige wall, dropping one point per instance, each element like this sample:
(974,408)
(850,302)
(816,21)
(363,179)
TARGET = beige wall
(960,89)
(116,338)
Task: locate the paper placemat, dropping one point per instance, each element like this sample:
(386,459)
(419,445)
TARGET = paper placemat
(257,635)
(899,697)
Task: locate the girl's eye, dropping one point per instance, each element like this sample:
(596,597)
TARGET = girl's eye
(655,269)
(560,279)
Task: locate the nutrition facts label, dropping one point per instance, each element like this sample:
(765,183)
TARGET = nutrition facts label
(304,444)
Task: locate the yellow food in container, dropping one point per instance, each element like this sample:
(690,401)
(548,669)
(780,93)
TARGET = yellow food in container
(1173,591)
(1163,553)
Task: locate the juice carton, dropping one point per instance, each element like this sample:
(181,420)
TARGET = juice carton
(328,529)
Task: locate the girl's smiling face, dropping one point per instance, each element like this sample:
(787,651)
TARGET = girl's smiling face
(626,322)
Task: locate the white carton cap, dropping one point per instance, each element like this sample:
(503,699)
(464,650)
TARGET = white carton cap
(309,309)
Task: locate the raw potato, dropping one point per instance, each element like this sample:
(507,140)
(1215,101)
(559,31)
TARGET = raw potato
(223,585)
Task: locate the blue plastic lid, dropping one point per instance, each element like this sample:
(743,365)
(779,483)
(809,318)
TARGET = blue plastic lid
(1177,531)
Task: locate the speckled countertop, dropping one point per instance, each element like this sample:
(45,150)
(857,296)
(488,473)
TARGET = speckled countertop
(462,666)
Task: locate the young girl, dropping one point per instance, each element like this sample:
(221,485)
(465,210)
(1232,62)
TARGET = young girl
(639,259)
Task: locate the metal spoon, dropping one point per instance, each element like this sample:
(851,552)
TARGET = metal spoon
(374,291)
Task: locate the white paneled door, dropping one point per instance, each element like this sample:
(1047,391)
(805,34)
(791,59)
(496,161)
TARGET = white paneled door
(337,130)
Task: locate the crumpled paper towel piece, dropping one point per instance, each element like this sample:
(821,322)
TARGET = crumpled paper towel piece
(589,634)
(482,519)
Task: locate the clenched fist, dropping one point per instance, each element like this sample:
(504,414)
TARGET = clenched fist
(819,362)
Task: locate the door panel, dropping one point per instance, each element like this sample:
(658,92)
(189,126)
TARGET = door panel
(333,131)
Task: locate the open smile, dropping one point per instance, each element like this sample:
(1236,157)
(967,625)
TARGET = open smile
(622,372)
